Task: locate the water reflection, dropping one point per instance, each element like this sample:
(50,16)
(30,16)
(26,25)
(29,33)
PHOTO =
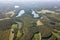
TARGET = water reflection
(35,14)
(20,13)
(16,6)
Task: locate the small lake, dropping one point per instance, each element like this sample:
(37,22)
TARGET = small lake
(16,6)
(20,13)
(35,14)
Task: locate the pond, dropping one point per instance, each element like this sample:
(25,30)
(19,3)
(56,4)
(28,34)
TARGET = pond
(35,14)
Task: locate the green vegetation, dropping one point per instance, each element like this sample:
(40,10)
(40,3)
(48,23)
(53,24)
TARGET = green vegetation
(50,30)
(14,26)
(18,34)
(29,26)
(36,37)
